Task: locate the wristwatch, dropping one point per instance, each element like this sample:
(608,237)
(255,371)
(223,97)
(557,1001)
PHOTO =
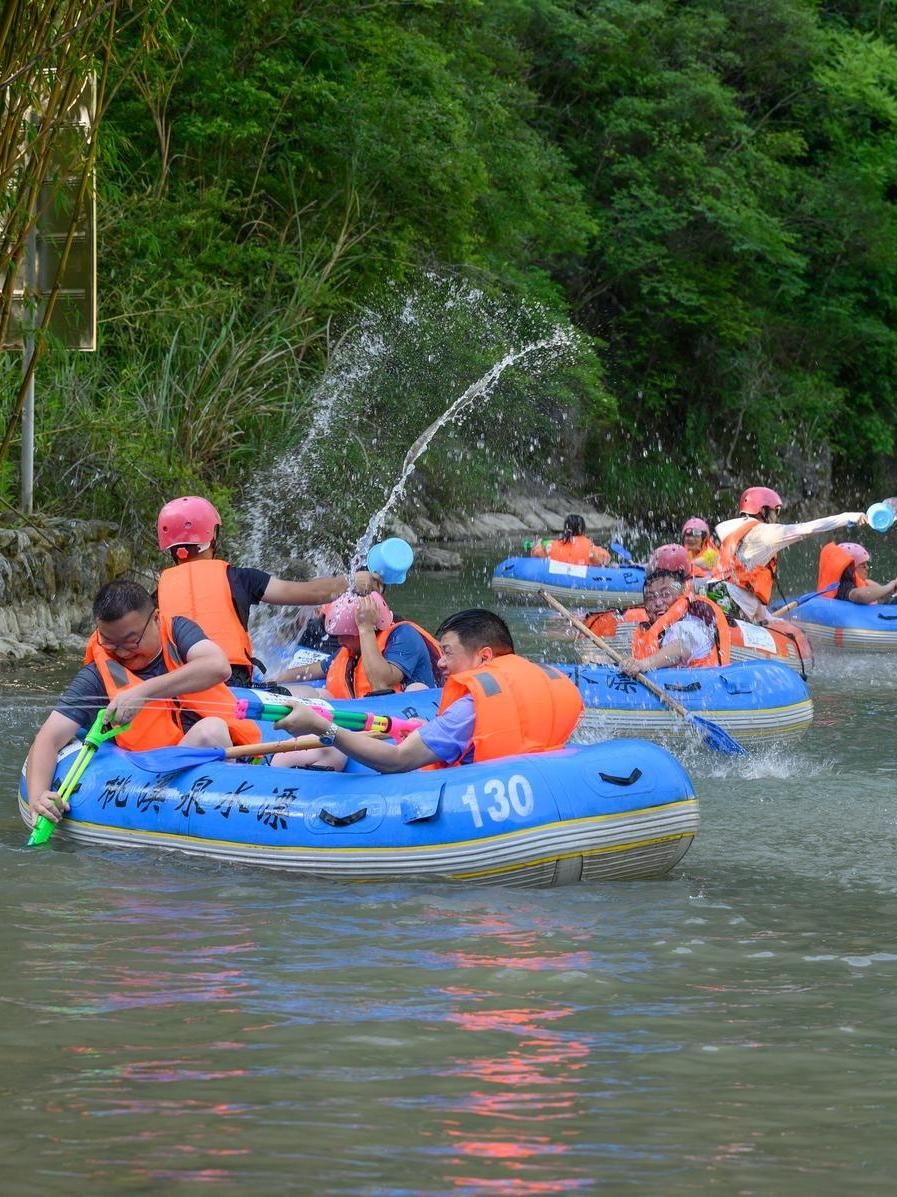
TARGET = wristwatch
(328,737)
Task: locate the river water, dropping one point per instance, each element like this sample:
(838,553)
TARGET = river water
(170,1023)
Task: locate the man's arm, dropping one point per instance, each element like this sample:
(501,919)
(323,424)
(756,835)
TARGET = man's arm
(282,593)
(205,666)
(53,735)
(382,755)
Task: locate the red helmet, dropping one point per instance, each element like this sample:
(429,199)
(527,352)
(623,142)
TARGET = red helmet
(755,498)
(697,525)
(672,558)
(858,553)
(188,520)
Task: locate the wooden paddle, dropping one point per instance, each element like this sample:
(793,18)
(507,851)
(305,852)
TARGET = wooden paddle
(712,734)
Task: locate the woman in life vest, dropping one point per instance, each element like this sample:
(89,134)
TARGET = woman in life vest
(164,677)
(700,546)
(848,565)
(377,653)
(674,627)
(219,595)
(750,544)
(573,547)
(494,704)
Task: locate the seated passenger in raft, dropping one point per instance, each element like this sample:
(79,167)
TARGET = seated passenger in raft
(573,547)
(748,556)
(494,704)
(675,628)
(377,653)
(848,565)
(697,539)
(221,595)
(136,664)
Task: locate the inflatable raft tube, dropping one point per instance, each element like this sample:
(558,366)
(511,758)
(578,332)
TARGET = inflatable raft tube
(585,813)
(755,701)
(858,627)
(617,587)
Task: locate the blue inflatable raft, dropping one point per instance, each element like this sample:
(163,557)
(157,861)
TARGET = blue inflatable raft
(615,586)
(753,700)
(594,812)
(835,623)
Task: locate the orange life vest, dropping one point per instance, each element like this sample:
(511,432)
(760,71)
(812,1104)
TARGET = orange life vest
(578,550)
(833,561)
(519,706)
(346,677)
(159,723)
(647,637)
(199,590)
(758,580)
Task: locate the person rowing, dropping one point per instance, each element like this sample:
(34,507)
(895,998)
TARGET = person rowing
(675,628)
(163,677)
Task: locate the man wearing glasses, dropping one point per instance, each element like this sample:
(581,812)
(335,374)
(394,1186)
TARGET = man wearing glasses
(750,543)
(675,628)
(136,666)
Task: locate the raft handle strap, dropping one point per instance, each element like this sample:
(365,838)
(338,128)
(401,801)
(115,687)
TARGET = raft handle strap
(687,688)
(342,820)
(622,781)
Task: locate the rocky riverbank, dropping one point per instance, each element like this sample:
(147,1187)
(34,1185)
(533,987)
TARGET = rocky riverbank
(522,515)
(50,569)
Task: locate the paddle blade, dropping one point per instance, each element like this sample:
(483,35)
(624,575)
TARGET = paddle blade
(716,737)
(620,551)
(41,831)
(176,759)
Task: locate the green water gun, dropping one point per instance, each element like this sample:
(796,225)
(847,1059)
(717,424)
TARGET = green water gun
(43,827)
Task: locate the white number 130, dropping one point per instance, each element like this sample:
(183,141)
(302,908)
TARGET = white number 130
(517,796)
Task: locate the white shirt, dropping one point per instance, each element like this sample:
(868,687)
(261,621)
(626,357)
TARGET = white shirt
(692,634)
(764,541)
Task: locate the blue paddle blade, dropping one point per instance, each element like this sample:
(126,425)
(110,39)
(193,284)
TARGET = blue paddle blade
(173,760)
(717,737)
(620,551)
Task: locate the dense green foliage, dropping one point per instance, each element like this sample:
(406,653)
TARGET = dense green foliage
(707,190)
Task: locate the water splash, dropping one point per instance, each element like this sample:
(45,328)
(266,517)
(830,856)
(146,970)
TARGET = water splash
(481,389)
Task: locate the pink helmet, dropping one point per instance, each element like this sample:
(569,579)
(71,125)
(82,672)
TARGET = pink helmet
(858,553)
(696,524)
(188,520)
(339,616)
(669,557)
(755,498)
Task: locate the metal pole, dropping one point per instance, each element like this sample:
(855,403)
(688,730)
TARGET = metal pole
(26,462)
(26,465)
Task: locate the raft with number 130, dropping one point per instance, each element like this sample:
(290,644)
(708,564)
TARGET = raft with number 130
(586,812)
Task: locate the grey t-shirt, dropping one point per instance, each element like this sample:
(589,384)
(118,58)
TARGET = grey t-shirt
(86,693)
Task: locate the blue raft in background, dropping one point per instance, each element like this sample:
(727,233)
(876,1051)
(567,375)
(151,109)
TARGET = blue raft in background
(611,586)
(836,623)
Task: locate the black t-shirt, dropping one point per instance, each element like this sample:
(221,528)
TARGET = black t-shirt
(247,586)
(86,693)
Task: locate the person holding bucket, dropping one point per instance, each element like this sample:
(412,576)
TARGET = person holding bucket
(749,548)
(219,596)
